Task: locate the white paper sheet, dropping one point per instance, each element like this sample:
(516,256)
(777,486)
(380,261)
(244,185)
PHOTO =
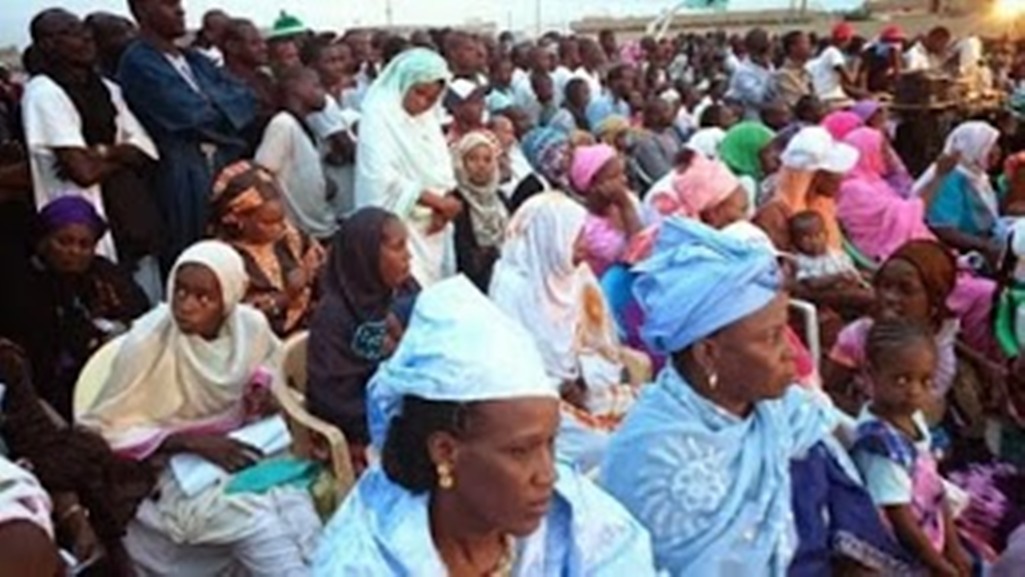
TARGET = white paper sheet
(195,474)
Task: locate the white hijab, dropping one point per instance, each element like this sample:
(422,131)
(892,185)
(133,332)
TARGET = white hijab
(973,140)
(537,283)
(163,381)
(400,156)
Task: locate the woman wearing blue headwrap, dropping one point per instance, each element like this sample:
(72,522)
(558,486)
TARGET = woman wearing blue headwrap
(703,458)
(465,419)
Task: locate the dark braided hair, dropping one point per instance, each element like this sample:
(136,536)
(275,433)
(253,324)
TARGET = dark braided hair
(405,458)
(890,335)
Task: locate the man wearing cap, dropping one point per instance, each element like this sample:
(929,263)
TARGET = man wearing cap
(883,62)
(833,82)
(464,102)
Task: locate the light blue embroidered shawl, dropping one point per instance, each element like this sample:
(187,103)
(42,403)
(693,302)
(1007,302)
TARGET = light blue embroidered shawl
(713,489)
(383,530)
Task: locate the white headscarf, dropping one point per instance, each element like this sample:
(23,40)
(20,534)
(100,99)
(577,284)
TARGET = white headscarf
(973,140)
(163,381)
(400,156)
(537,283)
(459,347)
(22,498)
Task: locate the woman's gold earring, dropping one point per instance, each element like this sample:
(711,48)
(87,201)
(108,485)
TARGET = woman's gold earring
(445,479)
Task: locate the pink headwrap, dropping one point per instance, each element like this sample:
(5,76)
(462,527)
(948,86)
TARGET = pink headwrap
(704,185)
(840,124)
(587,162)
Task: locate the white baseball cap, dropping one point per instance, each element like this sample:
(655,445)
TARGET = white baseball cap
(814,149)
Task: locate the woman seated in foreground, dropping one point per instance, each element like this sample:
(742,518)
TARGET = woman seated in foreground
(187,374)
(703,459)
(469,484)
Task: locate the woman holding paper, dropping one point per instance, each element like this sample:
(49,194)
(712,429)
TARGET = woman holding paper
(186,375)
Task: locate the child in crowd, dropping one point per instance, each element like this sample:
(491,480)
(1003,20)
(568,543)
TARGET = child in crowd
(282,263)
(289,150)
(817,266)
(893,449)
(481,228)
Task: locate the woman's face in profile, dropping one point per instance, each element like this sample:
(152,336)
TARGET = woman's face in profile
(422,97)
(503,465)
(197,302)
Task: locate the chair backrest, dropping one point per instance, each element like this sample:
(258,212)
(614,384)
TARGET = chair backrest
(294,364)
(94,375)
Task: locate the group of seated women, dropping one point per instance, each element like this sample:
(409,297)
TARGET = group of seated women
(496,421)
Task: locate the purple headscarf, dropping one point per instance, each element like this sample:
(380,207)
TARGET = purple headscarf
(68,210)
(866,109)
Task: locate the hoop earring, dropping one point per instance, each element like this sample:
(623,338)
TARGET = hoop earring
(445,479)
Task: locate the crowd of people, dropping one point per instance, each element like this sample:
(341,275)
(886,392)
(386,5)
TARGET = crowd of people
(578,306)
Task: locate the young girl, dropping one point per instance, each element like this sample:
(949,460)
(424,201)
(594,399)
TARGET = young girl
(914,283)
(282,263)
(481,228)
(893,450)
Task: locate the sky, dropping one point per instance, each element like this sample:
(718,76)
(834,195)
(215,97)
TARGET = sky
(339,14)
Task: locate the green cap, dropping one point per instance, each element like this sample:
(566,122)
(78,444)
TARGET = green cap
(286,25)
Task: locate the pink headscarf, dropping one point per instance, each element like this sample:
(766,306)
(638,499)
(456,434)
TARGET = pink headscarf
(840,124)
(871,164)
(703,185)
(875,217)
(587,162)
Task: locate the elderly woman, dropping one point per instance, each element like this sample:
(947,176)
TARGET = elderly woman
(467,418)
(703,459)
(189,373)
(73,302)
(282,263)
(367,290)
(598,175)
(403,163)
(541,282)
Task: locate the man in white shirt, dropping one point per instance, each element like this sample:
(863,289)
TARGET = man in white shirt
(290,150)
(930,53)
(830,78)
(83,139)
